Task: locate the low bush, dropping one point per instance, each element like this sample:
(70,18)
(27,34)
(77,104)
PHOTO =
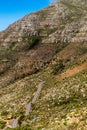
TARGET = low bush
(2,124)
(31,40)
(58,67)
(4,113)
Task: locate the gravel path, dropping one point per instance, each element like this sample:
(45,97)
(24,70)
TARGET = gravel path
(14,122)
(34,100)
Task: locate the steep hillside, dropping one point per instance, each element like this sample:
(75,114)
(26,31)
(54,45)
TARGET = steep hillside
(48,46)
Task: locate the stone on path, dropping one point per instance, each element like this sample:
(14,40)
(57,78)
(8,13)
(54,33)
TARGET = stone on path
(28,109)
(13,123)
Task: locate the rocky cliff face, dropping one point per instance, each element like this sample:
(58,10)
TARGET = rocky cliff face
(45,45)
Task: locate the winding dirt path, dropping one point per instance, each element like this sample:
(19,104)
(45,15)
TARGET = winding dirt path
(71,72)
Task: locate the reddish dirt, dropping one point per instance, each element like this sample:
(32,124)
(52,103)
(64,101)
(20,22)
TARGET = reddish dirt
(71,72)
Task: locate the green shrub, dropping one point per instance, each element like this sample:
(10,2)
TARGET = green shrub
(40,128)
(58,67)
(27,127)
(50,31)
(4,113)
(13,44)
(21,119)
(31,40)
(2,124)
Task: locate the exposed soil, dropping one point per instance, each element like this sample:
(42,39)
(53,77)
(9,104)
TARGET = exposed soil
(71,72)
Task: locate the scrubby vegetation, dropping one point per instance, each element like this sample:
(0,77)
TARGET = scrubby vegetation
(31,40)
(58,67)
(2,124)
(27,127)
(57,54)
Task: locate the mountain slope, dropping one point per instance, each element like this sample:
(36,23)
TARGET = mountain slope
(49,45)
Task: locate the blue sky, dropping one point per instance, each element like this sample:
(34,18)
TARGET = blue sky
(12,10)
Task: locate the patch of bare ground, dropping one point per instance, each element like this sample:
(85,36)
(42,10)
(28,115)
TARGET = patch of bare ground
(71,72)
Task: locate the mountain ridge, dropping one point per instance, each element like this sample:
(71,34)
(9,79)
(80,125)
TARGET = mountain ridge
(49,45)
